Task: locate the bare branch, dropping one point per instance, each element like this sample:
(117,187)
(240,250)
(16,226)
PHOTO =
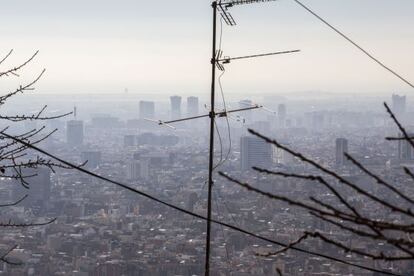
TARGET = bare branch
(398,138)
(321,168)
(399,125)
(6,57)
(273,196)
(10,223)
(377,178)
(279,272)
(409,172)
(34,117)
(21,89)
(14,203)
(17,68)
(289,246)
(4,258)
(347,249)
(313,178)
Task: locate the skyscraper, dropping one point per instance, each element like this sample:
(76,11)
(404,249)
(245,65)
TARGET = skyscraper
(341,148)
(405,150)
(38,193)
(146,110)
(398,104)
(74,132)
(133,172)
(192,106)
(40,184)
(138,169)
(254,152)
(281,113)
(175,107)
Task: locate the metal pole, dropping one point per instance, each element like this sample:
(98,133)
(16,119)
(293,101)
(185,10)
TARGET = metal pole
(211,159)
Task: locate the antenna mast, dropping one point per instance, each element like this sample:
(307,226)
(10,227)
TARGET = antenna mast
(219,62)
(211,157)
(216,60)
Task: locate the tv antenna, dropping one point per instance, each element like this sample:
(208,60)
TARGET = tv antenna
(218,61)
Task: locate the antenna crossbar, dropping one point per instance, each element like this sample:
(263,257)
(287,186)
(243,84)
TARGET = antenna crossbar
(243,2)
(218,114)
(228,59)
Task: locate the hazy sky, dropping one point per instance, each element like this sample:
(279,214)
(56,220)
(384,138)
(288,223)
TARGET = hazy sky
(164,46)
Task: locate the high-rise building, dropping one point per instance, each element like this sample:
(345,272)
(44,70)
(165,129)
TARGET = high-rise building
(40,184)
(133,172)
(281,111)
(138,170)
(93,157)
(175,107)
(341,147)
(254,152)
(192,106)
(281,114)
(191,201)
(398,104)
(405,150)
(38,180)
(146,110)
(74,132)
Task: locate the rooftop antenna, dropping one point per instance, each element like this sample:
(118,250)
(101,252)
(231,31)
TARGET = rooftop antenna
(218,61)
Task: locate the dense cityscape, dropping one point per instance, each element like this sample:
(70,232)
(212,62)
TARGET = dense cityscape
(227,137)
(104,230)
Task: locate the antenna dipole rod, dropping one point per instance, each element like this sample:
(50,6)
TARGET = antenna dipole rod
(241,109)
(243,2)
(185,119)
(211,157)
(259,55)
(218,114)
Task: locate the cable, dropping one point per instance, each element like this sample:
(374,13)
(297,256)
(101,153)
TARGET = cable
(215,123)
(221,146)
(222,161)
(227,118)
(182,210)
(354,43)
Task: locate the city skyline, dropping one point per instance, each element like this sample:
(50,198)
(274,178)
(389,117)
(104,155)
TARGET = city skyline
(301,161)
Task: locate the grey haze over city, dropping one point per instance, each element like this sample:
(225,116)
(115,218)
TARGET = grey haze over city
(139,152)
(105,47)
